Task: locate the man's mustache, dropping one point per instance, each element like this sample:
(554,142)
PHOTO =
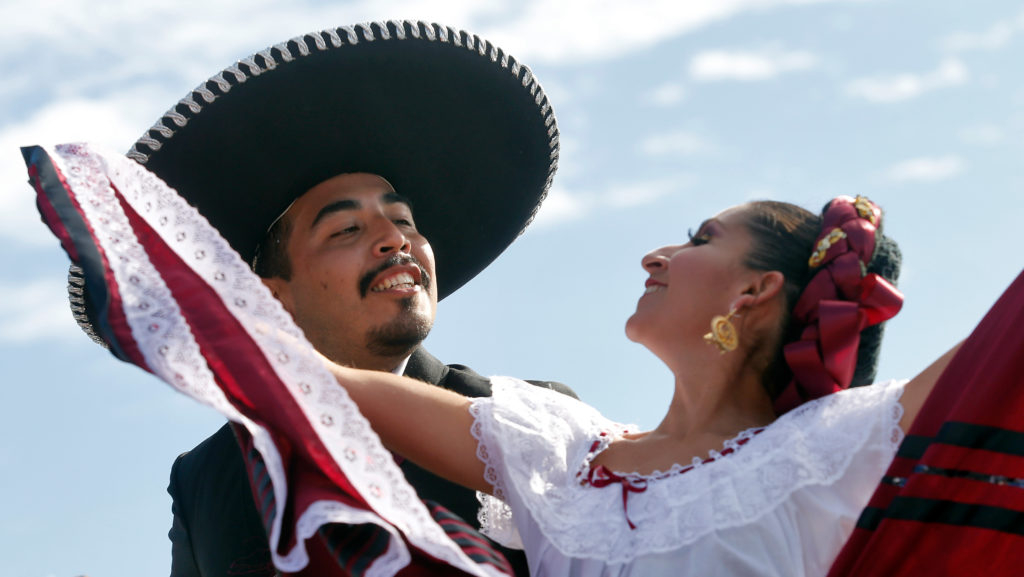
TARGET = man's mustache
(393,260)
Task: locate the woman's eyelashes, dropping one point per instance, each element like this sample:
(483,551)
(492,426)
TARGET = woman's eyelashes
(702,237)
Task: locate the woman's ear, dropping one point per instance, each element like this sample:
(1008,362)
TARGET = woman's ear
(765,287)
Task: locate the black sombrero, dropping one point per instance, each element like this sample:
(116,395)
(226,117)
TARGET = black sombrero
(452,121)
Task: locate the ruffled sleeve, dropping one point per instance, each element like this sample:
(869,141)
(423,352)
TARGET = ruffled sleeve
(531,440)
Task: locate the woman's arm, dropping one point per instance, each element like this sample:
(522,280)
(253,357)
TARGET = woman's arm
(426,424)
(918,389)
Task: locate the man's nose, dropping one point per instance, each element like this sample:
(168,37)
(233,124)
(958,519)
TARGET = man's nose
(390,240)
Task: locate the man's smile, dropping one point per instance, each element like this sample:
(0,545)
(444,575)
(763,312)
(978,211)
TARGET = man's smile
(399,273)
(396,280)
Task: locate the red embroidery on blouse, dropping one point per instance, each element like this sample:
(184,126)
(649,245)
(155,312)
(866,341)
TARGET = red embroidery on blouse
(601,476)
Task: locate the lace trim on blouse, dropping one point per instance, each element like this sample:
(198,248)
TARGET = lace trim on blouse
(605,439)
(535,443)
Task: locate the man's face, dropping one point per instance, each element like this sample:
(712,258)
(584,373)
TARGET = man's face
(362,286)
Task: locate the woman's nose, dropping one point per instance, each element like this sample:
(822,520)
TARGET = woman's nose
(654,260)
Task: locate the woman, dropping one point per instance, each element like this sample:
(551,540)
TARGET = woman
(724,485)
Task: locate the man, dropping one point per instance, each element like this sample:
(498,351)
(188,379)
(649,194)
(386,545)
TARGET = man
(291,154)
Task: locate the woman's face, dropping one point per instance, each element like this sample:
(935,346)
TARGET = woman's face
(690,283)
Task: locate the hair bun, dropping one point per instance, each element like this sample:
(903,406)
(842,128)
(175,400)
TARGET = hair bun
(886,263)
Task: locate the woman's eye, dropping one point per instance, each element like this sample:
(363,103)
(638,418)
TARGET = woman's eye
(403,221)
(698,239)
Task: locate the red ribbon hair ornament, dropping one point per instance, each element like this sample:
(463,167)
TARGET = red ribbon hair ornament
(839,302)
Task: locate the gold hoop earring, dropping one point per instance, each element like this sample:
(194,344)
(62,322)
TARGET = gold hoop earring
(723,333)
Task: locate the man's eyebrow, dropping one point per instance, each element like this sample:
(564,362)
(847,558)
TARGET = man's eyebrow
(394,197)
(336,206)
(350,204)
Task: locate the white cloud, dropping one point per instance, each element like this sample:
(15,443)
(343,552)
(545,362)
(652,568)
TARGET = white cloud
(679,143)
(631,195)
(717,65)
(112,122)
(184,31)
(899,87)
(926,169)
(666,94)
(995,37)
(35,311)
(563,205)
(983,134)
(98,50)
(575,30)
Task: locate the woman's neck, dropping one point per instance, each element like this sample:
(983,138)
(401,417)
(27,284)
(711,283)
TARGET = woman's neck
(716,398)
(713,402)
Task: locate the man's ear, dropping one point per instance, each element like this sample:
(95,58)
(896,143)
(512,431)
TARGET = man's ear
(281,291)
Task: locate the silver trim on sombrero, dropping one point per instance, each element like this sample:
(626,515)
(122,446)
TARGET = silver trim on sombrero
(274,56)
(297,47)
(76,296)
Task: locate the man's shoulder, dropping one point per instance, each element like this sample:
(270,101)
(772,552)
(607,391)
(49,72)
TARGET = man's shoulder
(462,379)
(554,386)
(215,455)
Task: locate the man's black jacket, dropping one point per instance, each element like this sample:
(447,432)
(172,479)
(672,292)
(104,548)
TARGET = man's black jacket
(216,529)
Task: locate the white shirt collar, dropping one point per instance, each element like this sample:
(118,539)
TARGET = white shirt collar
(400,369)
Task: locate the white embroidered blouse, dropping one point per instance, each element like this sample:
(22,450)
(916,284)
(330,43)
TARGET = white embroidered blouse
(781,502)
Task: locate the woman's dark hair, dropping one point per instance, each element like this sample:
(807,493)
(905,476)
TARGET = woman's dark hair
(783,237)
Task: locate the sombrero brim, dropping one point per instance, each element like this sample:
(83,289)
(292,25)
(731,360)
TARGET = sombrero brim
(454,123)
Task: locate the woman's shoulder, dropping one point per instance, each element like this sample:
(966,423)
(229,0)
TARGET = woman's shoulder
(543,408)
(876,406)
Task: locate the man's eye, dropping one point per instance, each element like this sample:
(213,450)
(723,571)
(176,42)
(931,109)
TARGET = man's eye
(403,221)
(344,231)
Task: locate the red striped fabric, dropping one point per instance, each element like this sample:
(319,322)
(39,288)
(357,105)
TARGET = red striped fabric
(952,503)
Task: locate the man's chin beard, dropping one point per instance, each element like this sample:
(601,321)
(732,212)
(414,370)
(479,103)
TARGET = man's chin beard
(401,335)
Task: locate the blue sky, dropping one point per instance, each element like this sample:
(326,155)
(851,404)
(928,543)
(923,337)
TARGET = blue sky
(669,112)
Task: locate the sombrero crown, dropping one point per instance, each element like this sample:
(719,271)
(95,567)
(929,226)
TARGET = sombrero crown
(453,122)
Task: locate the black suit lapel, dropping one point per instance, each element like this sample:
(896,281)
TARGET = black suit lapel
(461,379)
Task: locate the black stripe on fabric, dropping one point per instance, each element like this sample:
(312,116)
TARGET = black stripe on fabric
(1000,480)
(982,437)
(355,547)
(914,446)
(890,480)
(472,543)
(870,517)
(953,513)
(965,435)
(267,508)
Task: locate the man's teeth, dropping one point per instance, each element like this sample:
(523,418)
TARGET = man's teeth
(401,280)
(653,288)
